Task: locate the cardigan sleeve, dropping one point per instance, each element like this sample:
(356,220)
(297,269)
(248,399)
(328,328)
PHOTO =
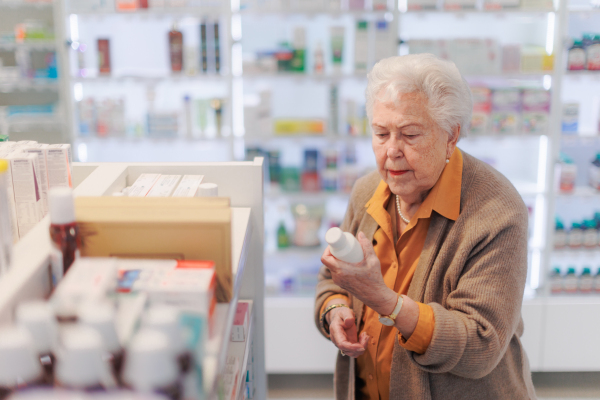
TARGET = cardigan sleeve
(481,313)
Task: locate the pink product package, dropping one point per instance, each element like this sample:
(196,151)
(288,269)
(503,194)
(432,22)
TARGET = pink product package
(240,323)
(536,110)
(506,111)
(482,106)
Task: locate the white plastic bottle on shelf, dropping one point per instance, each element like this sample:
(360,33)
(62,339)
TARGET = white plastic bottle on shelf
(39,319)
(19,367)
(556,283)
(596,283)
(586,282)
(150,365)
(571,283)
(81,363)
(560,236)
(344,246)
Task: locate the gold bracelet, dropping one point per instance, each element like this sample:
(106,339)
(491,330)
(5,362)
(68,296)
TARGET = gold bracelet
(324,324)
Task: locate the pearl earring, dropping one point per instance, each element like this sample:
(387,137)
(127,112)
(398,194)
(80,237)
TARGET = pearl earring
(447,161)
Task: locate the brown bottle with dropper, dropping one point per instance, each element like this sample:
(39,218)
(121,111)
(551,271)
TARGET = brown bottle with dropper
(64,231)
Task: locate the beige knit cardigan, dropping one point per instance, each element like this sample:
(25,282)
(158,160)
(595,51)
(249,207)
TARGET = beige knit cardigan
(472,273)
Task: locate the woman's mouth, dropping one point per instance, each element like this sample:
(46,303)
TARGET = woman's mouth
(397,172)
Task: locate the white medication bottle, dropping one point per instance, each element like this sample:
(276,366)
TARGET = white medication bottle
(586,281)
(556,284)
(571,282)
(38,318)
(19,365)
(344,246)
(150,366)
(596,283)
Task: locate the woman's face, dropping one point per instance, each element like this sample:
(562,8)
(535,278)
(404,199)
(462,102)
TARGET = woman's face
(410,149)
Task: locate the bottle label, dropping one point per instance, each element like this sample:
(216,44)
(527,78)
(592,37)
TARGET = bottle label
(575,238)
(560,239)
(576,59)
(590,237)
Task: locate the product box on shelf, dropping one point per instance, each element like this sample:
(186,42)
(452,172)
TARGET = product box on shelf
(241,321)
(188,186)
(28,203)
(189,285)
(164,186)
(59,161)
(506,111)
(160,227)
(536,110)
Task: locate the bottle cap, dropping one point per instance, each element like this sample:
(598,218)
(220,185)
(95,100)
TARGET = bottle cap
(39,319)
(335,238)
(80,364)
(150,363)
(101,317)
(18,362)
(571,270)
(207,190)
(61,206)
(587,271)
(166,320)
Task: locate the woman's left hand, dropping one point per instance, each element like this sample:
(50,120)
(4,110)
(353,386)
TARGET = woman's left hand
(363,279)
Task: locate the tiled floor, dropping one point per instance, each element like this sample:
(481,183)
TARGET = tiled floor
(549,386)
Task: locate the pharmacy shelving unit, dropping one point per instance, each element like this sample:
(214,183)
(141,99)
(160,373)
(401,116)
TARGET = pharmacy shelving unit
(242,182)
(143,79)
(528,161)
(43,127)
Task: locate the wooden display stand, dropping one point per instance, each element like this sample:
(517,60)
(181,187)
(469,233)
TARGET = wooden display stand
(242,182)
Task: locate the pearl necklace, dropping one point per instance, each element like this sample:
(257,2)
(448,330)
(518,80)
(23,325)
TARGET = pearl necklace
(406,220)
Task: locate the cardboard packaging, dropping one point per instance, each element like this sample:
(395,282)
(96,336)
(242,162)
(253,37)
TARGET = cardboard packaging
(241,321)
(188,186)
(188,285)
(28,204)
(142,185)
(159,228)
(89,279)
(164,186)
(41,150)
(58,161)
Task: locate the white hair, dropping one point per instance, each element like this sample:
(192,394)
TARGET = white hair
(449,99)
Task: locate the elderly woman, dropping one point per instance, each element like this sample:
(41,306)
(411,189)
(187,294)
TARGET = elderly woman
(434,309)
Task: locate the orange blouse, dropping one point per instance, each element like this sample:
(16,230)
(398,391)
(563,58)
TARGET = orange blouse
(399,257)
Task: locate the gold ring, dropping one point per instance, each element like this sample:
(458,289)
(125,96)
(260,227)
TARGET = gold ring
(342,351)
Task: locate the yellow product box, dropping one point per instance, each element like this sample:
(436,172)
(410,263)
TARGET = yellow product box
(299,126)
(159,228)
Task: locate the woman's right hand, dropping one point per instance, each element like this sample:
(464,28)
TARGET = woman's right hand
(343,332)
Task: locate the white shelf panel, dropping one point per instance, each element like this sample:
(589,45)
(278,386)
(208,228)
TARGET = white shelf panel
(580,191)
(8,4)
(167,12)
(24,84)
(151,80)
(216,349)
(31,45)
(241,350)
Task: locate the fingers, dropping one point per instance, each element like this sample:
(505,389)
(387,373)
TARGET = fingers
(329,260)
(366,245)
(364,339)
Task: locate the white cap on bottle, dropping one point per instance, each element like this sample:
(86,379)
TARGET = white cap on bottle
(81,364)
(101,317)
(150,363)
(207,190)
(61,206)
(166,320)
(39,319)
(335,238)
(18,360)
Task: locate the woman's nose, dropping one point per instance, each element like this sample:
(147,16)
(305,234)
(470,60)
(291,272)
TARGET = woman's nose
(394,151)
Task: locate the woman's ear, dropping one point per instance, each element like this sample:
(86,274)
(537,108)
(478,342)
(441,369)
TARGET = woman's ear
(452,140)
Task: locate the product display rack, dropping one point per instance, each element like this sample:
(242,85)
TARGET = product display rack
(26,91)
(28,277)
(532,157)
